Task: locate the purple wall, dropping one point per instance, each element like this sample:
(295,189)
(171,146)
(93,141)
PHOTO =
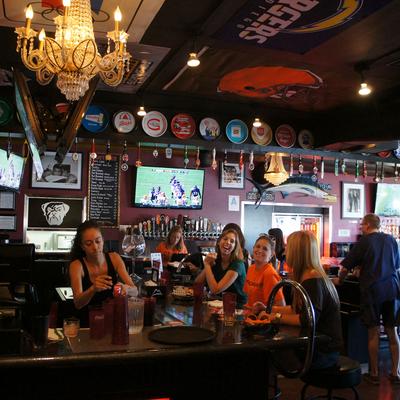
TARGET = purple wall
(215,204)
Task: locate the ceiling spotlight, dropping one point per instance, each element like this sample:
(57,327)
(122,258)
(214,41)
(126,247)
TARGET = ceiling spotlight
(364,90)
(256,123)
(141,112)
(193,61)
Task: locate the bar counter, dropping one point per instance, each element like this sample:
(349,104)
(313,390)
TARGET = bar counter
(234,362)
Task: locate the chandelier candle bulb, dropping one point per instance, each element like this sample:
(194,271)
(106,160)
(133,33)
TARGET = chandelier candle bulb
(29,16)
(117,18)
(42,37)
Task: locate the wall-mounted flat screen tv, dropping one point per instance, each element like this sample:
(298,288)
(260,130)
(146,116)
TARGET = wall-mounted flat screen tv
(387,201)
(166,187)
(11,170)
(29,120)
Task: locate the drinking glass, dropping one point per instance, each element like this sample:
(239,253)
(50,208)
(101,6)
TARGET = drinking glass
(133,246)
(71,327)
(229,303)
(135,314)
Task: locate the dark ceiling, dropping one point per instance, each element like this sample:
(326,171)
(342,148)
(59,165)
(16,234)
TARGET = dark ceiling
(277,58)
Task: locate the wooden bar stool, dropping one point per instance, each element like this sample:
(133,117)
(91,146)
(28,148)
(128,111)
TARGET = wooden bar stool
(345,375)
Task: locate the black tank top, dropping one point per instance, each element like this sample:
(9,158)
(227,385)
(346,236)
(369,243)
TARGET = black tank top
(99,297)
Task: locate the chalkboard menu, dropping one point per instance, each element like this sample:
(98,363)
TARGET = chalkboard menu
(103,199)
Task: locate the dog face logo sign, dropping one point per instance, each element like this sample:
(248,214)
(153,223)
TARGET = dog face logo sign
(264,82)
(54,212)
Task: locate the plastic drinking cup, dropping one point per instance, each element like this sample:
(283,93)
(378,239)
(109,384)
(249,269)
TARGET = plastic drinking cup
(135,314)
(96,322)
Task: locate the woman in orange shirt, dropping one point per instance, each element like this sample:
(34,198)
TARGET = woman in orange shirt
(261,276)
(174,244)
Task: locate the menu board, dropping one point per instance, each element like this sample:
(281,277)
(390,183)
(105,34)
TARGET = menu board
(103,199)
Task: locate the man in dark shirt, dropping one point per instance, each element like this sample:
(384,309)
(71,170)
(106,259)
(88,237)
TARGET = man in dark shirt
(377,256)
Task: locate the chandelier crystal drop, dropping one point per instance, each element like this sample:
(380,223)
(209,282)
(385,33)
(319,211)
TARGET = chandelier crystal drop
(276,173)
(72,55)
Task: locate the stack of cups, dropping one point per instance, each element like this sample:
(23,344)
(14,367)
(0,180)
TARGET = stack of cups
(96,322)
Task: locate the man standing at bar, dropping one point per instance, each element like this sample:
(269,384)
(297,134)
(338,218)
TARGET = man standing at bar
(377,256)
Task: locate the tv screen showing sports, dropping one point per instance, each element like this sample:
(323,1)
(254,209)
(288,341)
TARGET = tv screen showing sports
(11,170)
(29,120)
(387,201)
(164,187)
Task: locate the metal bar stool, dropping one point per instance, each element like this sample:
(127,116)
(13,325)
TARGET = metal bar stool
(346,374)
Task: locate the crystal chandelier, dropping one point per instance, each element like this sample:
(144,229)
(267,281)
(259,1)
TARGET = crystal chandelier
(72,55)
(276,173)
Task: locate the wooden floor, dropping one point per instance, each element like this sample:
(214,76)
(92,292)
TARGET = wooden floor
(291,388)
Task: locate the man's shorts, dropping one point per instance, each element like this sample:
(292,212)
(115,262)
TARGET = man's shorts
(389,311)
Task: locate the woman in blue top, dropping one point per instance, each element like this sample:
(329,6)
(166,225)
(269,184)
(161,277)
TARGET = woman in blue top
(225,270)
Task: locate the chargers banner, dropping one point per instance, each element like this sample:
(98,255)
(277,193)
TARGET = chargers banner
(295,25)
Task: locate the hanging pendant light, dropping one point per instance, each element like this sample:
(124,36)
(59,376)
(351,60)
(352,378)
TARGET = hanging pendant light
(276,173)
(256,123)
(364,90)
(193,60)
(141,112)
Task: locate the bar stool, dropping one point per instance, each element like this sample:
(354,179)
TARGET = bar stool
(345,375)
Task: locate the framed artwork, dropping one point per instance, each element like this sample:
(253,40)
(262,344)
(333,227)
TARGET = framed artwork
(67,175)
(353,200)
(7,200)
(54,212)
(231,176)
(8,222)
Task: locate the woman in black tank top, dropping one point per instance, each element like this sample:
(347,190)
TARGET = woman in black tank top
(92,272)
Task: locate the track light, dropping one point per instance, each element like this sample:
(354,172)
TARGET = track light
(141,112)
(193,61)
(256,122)
(364,90)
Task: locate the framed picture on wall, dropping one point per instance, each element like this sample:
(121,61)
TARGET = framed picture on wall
(67,175)
(7,200)
(353,200)
(231,176)
(54,212)
(8,222)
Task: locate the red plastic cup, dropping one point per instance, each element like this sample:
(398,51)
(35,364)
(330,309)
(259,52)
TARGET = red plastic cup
(120,333)
(53,315)
(149,309)
(198,290)
(96,322)
(229,303)
(108,307)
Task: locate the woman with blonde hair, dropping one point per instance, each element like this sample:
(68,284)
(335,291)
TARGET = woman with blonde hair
(173,244)
(302,255)
(225,270)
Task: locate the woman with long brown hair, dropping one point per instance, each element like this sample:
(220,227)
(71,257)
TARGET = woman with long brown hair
(93,272)
(225,270)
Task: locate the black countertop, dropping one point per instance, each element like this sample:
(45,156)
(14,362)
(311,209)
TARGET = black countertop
(154,369)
